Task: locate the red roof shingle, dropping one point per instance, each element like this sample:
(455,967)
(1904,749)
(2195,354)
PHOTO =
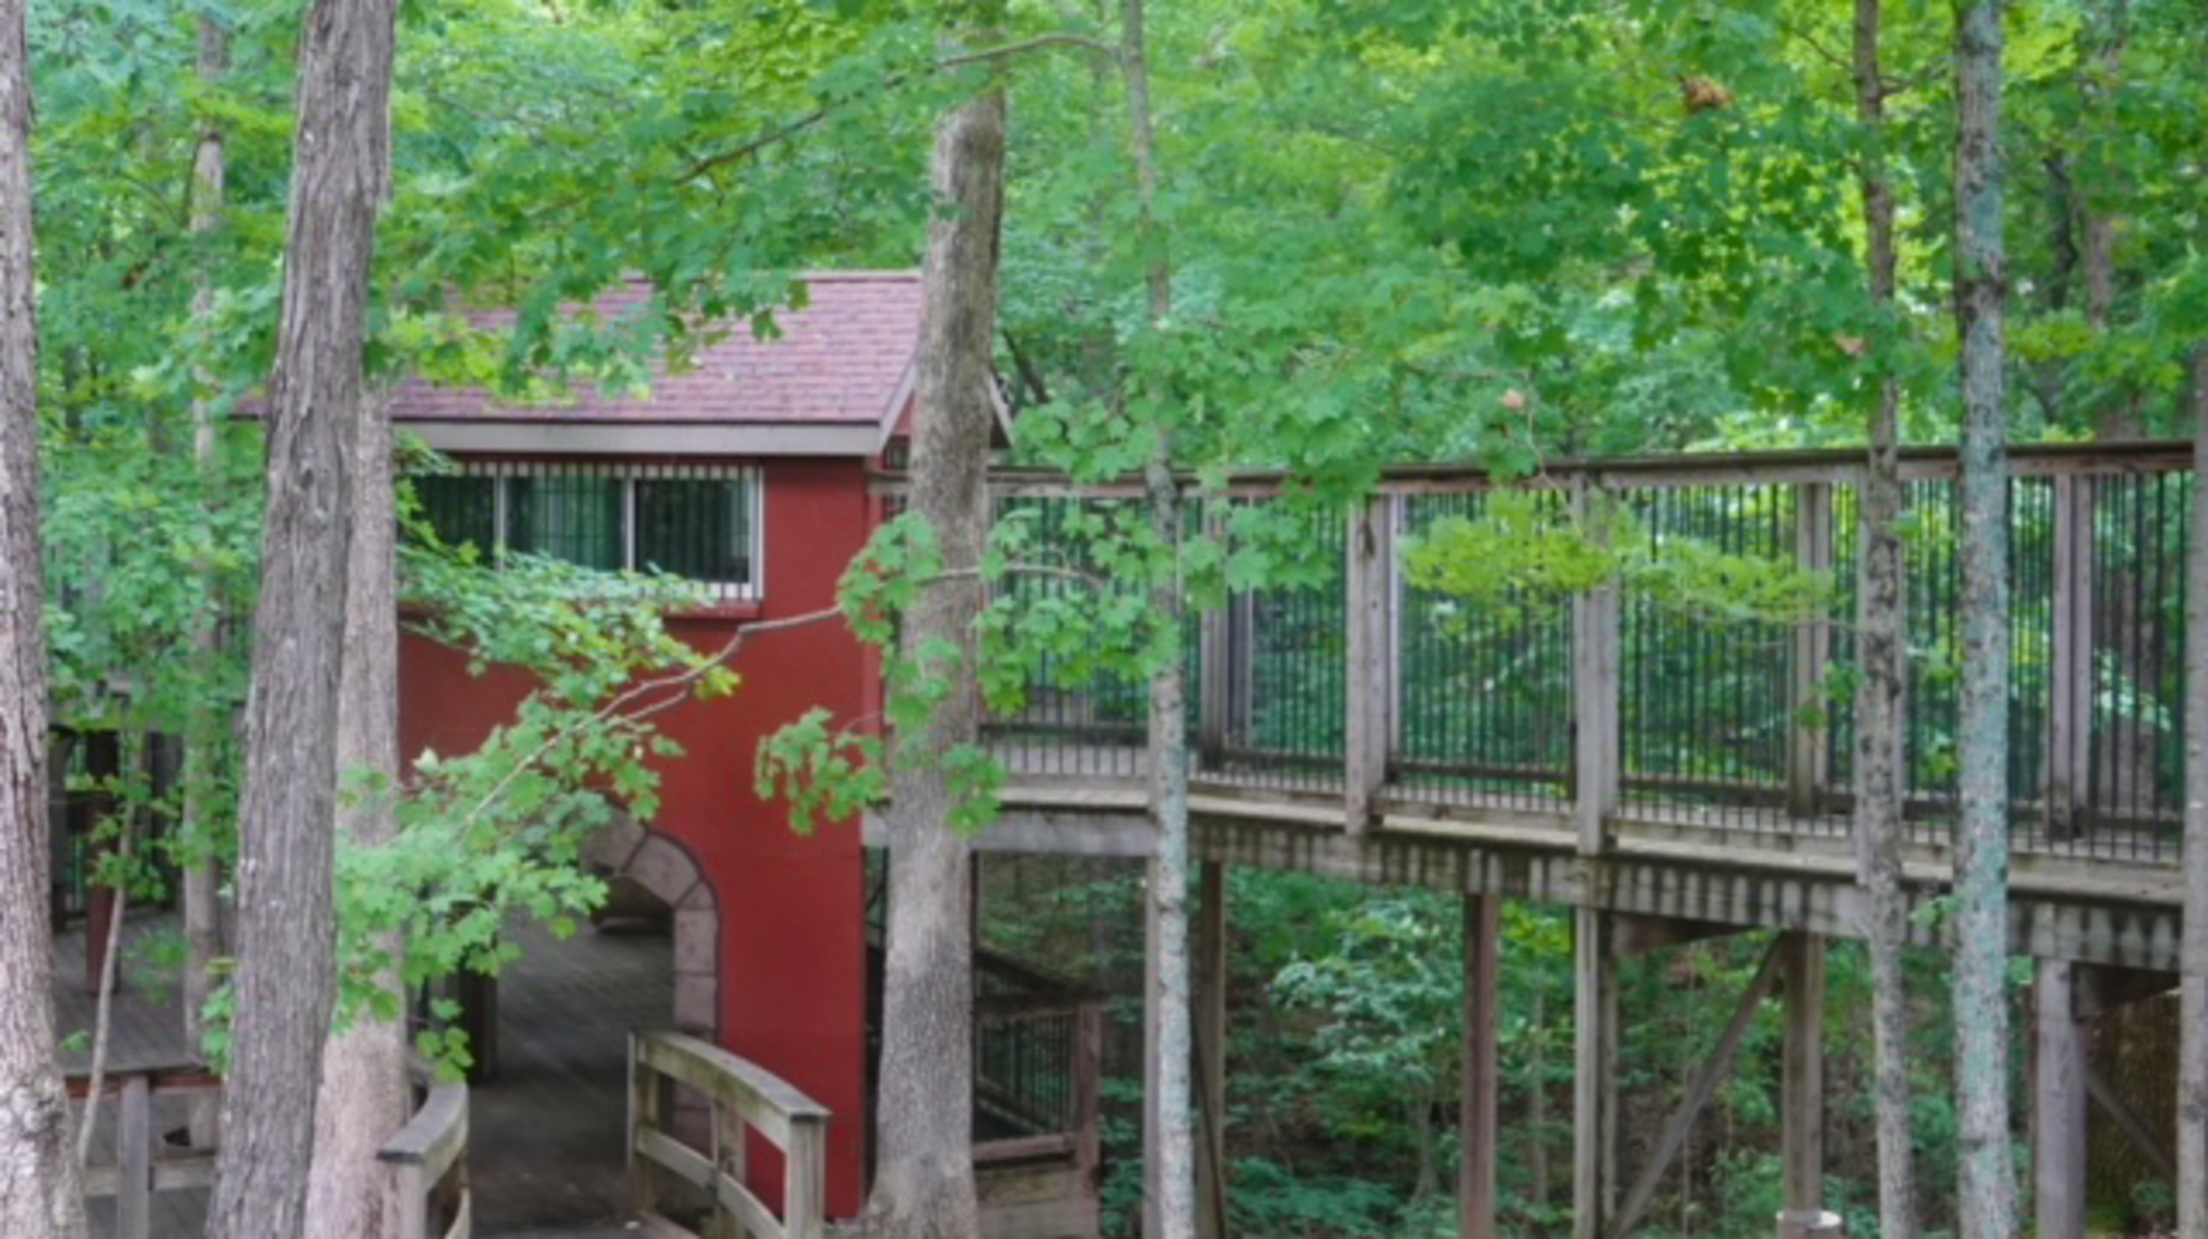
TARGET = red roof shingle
(845,359)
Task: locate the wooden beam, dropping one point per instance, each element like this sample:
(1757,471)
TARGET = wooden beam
(1371,554)
(2070,661)
(1211,1051)
(2058,1105)
(1802,1075)
(1812,642)
(1715,1069)
(1476,1118)
(1596,631)
(1595,1075)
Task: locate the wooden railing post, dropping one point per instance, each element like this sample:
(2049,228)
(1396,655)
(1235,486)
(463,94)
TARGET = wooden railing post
(643,1117)
(805,1178)
(1088,1077)
(1370,553)
(1215,662)
(1806,763)
(1596,653)
(2070,661)
(134,1157)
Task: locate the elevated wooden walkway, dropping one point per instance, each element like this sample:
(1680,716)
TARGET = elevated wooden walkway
(1669,776)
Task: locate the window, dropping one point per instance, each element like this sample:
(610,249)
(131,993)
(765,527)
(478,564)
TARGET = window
(694,521)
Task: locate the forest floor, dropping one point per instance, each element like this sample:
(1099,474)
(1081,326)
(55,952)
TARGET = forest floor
(545,1157)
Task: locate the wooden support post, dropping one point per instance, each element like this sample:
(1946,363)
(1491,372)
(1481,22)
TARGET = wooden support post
(1088,1095)
(1211,1052)
(1371,556)
(2059,1105)
(103,762)
(1595,1076)
(1806,763)
(805,1178)
(1476,1116)
(1802,1107)
(1596,630)
(134,1159)
(2070,661)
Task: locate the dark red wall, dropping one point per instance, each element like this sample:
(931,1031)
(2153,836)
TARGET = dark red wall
(792,950)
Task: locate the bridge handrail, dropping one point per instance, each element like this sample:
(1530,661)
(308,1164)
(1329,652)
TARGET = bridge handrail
(741,1096)
(430,1147)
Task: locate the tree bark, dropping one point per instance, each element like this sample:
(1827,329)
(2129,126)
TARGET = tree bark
(1172,1202)
(41,1194)
(286,975)
(1980,927)
(365,1093)
(1880,643)
(924,1179)
(201,893)
(2192,1072)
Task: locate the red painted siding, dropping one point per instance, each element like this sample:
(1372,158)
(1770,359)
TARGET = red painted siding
(792,950)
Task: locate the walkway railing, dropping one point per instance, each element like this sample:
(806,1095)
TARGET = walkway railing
(1038,1060)
(742,1098)
(140,1163)
(429,1156)
(1358,689)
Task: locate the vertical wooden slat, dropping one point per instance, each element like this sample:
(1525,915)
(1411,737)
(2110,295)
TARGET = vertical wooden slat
(1806,760)
(805,1179)
(643,1117)
(1596,652)
(1476,1177)
(2059,1105)
(2070,669)
(1369,550)
(134,1157)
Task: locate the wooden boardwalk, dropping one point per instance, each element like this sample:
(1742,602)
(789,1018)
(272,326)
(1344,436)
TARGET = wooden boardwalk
(544,1153)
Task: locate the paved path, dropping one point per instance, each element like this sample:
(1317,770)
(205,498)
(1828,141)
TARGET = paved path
(545,1137)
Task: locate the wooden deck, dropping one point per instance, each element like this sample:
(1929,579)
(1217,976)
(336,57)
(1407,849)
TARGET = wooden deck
(545,1152)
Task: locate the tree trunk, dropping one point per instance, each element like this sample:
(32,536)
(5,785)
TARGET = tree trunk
(365,1093)
(40,1190)
(924,1179)
(1173,1179)
(1980,929)
(286,976)
(201,894)
(2192,1072)
(1881,642)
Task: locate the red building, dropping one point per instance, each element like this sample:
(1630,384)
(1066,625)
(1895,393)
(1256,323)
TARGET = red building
(747,470)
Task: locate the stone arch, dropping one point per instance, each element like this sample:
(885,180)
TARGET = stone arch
(660,864)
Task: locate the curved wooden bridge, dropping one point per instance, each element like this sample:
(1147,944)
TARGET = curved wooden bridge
(1669,777)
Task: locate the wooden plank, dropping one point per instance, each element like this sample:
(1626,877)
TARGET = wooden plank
(1802,1083)
(1714,1070)
(2059,1105)
(1595,1075)
(1812,649)
(2070,661)
(1061,1144)
(134,1155)
(1596,650)
(1482,1085)
(1370,549)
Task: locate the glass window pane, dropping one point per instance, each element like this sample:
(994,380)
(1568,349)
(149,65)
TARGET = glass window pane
(574,517)
(460,509)
(694,527)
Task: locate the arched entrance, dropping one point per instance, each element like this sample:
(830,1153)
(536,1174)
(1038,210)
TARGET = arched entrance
(549,1122)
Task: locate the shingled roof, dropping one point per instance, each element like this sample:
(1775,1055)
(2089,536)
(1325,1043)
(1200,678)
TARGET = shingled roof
(834,381)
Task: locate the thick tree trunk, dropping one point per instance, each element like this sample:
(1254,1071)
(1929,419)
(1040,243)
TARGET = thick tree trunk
(40,1191)
(364,1092)
(1881,644)
(2192,1072)
(1172,1203)
(201,894)
(286,976)
(924,1179)
(1980,927)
